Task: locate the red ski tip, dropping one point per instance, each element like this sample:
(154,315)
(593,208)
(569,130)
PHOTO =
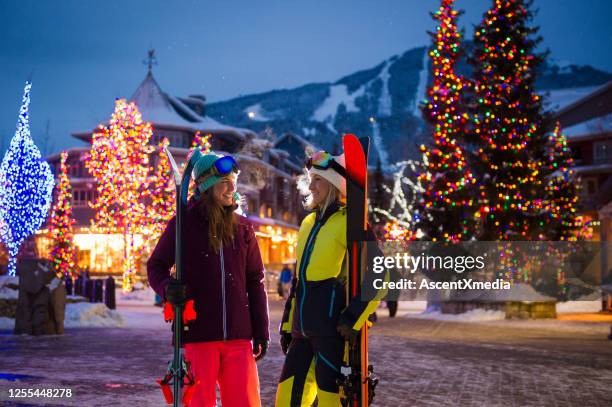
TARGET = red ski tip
(189,391)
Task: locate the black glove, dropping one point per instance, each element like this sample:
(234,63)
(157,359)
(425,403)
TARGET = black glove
(260,347)
(176,293)
(285,341)
(347,332)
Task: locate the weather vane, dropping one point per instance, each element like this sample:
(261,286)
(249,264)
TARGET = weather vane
(151,59)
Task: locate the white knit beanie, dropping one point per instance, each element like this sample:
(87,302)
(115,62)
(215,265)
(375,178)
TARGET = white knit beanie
(332,175)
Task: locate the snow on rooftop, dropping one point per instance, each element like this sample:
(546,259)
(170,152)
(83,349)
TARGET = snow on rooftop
(559,99)
(596,125)
(158,107)
(154,105)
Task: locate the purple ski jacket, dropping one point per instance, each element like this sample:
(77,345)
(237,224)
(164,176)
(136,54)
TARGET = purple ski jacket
(227,288)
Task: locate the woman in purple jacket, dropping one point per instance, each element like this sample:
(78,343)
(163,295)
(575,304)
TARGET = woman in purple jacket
(223,273)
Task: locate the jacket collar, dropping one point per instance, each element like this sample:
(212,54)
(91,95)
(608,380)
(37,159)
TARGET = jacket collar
(331,209)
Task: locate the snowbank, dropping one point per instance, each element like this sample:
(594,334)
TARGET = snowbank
(84,314)
(7,323)
(476,315)
(6,280)
(578,306)
(8,294)
(517,292)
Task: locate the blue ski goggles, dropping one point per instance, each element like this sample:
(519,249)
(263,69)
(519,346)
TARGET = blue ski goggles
(223,166)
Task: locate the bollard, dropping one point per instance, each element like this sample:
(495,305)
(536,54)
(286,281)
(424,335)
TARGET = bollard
(109,293)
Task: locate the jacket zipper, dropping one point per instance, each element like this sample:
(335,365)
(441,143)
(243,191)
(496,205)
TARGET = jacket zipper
(331,303)
(304,264)
(223,293)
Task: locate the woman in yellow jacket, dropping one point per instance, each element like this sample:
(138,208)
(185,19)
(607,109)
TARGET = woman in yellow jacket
(317,319)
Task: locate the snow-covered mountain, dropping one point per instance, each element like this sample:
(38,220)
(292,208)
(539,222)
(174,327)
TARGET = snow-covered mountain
(382,102)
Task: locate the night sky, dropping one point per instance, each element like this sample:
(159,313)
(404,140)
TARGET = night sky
(82,54)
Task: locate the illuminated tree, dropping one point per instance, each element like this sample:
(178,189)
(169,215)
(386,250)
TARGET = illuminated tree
(162,194)
(509,124)
(562,190)
(26,187)
(447,205)
(119,161)
(60,225)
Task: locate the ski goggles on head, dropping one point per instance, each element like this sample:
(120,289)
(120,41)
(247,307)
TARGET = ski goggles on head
(221,167)
(323,160)
(224,166)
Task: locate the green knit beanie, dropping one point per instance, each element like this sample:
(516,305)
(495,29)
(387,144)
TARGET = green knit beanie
(204,163)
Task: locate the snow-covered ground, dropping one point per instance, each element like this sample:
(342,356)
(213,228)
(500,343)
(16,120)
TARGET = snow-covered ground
(578,306)
(7,323)
(143,295)
(8,294)
(476,315)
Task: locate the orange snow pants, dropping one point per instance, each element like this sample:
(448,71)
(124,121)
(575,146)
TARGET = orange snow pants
(231,365)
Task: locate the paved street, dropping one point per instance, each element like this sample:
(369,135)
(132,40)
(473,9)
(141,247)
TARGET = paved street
(419,363)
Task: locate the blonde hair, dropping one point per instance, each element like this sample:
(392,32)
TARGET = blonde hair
(303,186)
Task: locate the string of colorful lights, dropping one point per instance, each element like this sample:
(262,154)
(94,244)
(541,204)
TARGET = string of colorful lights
(60,225)
(26,187)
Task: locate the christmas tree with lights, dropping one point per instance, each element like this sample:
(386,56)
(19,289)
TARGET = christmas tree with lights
(26,187)
(119,161)
(509,124)
(562,190)
(447,206)
(161,193)
(60,225)
(202,141)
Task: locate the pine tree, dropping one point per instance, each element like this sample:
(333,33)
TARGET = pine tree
(60,225)
(203,142)
(119,161)
(562,190)
(162,194)
(26,187)
(447,203)
(509,124)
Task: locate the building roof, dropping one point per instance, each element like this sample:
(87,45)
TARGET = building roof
(597,103)
(164,110)
(158,107)
(593,128)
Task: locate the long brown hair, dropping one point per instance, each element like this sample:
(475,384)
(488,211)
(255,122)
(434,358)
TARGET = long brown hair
(221,220)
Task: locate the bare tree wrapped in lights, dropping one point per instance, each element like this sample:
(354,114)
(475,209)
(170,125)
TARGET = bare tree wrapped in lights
(401,213)
(26,187)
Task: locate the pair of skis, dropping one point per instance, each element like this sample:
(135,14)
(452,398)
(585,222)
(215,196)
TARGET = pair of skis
(358,382)
(178,374)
